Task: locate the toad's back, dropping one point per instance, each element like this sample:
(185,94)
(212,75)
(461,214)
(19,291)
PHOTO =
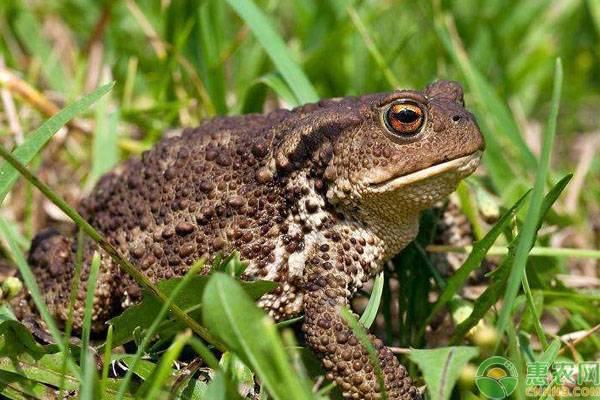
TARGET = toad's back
(208,190)
(189,196)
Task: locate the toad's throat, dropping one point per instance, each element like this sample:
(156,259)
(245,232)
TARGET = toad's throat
(463,166)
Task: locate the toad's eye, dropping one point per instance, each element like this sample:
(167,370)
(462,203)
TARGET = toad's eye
(404,119)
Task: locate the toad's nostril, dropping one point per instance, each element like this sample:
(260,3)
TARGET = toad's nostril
(456,118)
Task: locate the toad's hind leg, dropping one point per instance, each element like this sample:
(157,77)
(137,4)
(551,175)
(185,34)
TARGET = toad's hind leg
(52,261)
(345,359)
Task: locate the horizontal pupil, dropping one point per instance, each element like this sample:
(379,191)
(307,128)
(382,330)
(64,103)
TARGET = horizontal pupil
(407,116)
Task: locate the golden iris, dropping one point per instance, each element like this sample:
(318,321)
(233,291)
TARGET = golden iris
(405,119)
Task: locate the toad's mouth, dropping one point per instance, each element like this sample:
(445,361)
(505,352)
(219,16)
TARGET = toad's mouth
(461,167)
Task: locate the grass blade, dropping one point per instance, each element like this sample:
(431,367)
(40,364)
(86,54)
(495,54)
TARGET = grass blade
(537,251)
(89,305)
(163,370)
(35,39)
(594,7)
(72,298)
(275,83)
(537,325)
(370,45)
(469,208)
(204,352)
(36,141)
(86,391)
(105,148)
(210,47)
(516,356)
(368,316)
(106,361)
(276,49)
(549,356)
(531,220)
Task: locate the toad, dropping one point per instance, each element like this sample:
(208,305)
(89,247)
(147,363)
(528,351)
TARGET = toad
(316,199)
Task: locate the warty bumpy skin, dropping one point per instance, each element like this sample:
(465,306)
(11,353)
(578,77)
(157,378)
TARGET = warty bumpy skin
(316,199)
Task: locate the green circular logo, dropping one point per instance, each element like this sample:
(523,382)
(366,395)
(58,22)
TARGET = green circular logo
(496,378)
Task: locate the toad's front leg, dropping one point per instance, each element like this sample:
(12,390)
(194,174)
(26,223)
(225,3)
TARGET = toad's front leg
(345,359)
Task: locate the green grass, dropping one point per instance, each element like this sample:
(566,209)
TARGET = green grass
(87,312)
(532,223)
(38,139)
(176,63)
